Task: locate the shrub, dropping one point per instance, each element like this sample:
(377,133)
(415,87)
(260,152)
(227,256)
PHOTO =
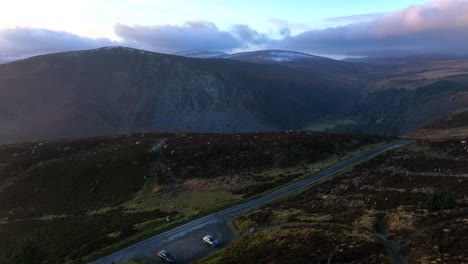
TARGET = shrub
(442,199)
(27,251)
(262,217)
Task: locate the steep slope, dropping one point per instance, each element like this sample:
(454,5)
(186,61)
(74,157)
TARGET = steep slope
(400,95)
(400,111)
(415,71)
(119,90)
(454,125)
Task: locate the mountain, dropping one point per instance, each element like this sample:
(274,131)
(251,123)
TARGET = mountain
(6,57)
(415,71)
(263,56)
(253,56)
(120,90)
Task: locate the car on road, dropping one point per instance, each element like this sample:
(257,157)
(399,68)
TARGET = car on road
(166,256)
(210,240)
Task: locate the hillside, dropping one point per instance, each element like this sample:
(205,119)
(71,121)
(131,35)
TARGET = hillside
(415,71)
(454,125)
(88,197)
(119,90)
(116,90)
(413,199)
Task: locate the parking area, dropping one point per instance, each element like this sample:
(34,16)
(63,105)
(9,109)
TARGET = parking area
(190,247)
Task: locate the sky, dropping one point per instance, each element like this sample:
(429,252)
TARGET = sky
(333,28)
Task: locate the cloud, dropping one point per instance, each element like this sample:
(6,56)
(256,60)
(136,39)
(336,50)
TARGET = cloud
(22,39)
(23,42)
(192,35)
(248,35)
(285,27)
(355,18)
(438,27)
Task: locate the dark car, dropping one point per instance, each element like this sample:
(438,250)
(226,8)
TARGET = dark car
(166,256)
(210,240)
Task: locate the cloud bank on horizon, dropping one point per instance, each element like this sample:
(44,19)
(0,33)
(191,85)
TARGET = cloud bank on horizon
(437,27)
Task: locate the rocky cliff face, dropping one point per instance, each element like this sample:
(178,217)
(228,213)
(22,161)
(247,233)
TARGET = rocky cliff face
(207,102)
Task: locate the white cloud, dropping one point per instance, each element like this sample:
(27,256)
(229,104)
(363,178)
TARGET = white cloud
(437,27)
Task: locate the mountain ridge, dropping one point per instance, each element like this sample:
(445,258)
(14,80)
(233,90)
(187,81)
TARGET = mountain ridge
(120,90)
(116,90)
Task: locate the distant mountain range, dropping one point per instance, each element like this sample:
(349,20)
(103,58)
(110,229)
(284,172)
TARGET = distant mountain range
(122,90)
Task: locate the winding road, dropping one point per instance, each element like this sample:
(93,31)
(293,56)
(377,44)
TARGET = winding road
(146,248)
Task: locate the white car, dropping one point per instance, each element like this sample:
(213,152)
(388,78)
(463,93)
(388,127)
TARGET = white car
(210,240)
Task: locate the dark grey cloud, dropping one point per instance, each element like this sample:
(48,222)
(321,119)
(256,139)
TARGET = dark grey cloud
(34,39)
(438,27)
(192,35)
(351,40)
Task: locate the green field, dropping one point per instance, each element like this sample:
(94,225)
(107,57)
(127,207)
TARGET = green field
(331,124)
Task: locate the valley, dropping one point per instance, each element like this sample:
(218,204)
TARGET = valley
(234,132)
(85,197)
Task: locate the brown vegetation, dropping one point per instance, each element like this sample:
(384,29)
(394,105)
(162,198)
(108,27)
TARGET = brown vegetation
(389,195)
(80,196)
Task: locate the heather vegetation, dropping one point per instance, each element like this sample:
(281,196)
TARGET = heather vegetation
(414,198)
(89,197)
(27,251)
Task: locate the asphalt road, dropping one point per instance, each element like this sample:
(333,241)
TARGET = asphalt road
(146,248)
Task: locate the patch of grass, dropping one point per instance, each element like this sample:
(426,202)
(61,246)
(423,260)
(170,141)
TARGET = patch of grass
(315,218)
(366,221)
(147,203)
(101,211)
(198,202)
(51,217)
(399,221)
(114,235)
(331,124)
(152,224)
